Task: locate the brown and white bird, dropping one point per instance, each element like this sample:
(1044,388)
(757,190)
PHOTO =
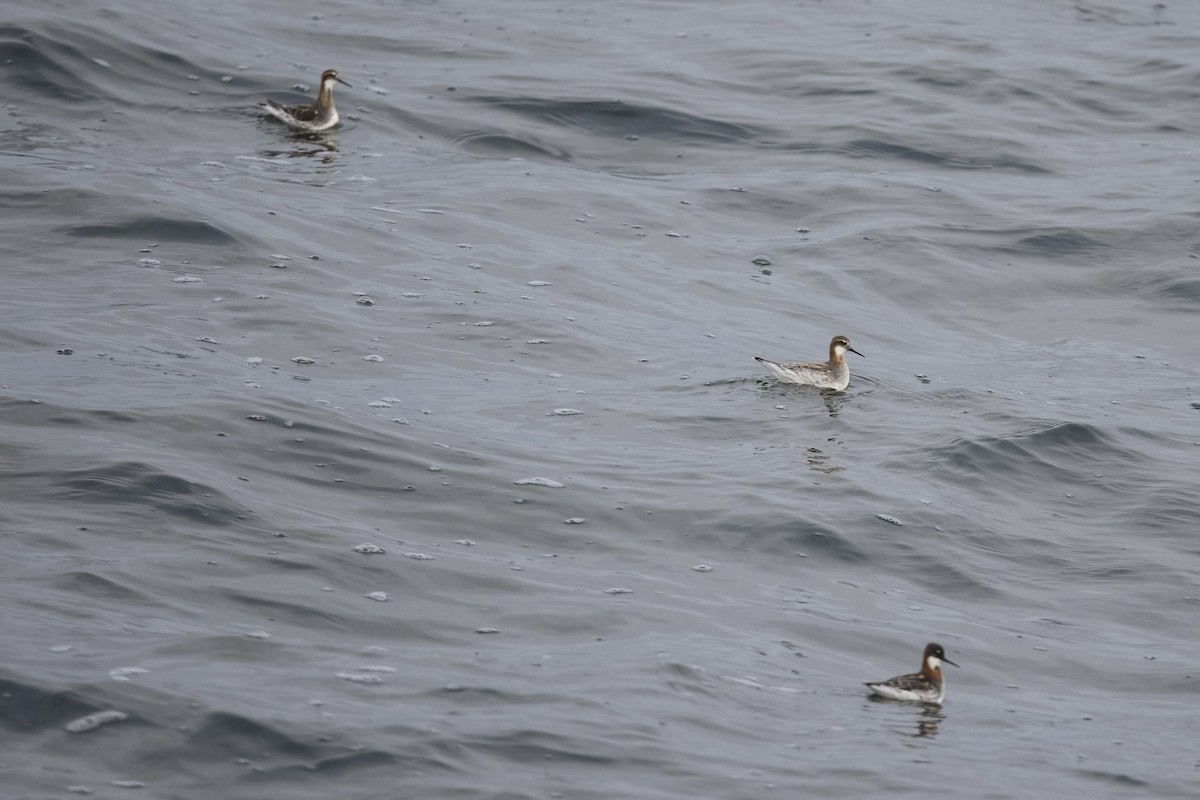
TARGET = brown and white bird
(833,374)
(320,116)
(925,686)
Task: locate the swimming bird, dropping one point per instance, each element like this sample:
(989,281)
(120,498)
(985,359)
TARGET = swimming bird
(833,374)
(320,116)
(925,686)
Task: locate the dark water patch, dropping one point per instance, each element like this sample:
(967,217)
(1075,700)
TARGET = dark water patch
(947,579)
(14,457)
(1115,779)
(92,417)
(154,229)
(238,756)
(508,145)
(477,695)
(779,535)
(793,78)
(46,66)
(1159,67)
(137,484)
(23,208)
(355,765)
(1169,286)
(1167,509)
(25,708)
(534,746)
(76,64)
(1122,574)
(686,677)
(1067,454)
(345,763)
(225,649)
(617,119)
(1077,437)
(96,587)
(277,561)
(1055,243)
(386,462)
(827,91)
(285,610)
(29,137)
(955,76)
(1048,242)
(1032,550)
(1133,16)
(1100,105)
(880,149)
(227,735)
(990,156)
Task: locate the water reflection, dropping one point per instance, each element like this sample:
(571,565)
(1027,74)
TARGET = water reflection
(818,460)
(308,144)
(833,403)
(927,724)
(833,400)
(928,718)
(323,149)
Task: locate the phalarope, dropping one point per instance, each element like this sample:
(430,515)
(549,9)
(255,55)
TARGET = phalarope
(925,686)
(831,375)
(320,116)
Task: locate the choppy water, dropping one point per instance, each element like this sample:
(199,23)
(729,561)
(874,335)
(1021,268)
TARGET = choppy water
(555,210)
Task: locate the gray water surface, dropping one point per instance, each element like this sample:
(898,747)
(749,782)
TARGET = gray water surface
(500,325)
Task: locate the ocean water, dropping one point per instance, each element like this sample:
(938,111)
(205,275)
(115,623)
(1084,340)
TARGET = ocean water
(428,457)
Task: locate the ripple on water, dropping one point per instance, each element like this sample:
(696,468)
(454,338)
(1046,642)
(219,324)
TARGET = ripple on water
(986,156)
(616,118)
(1059,453)
(782,535)
(1175,287)
(508,144)
(154,228)
(46,708)
(137,484)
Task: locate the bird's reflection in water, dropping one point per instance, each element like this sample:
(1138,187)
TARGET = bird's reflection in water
(928,717)
(321,146)
(323,150)
(818,460)
(833,403)
(927,724)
